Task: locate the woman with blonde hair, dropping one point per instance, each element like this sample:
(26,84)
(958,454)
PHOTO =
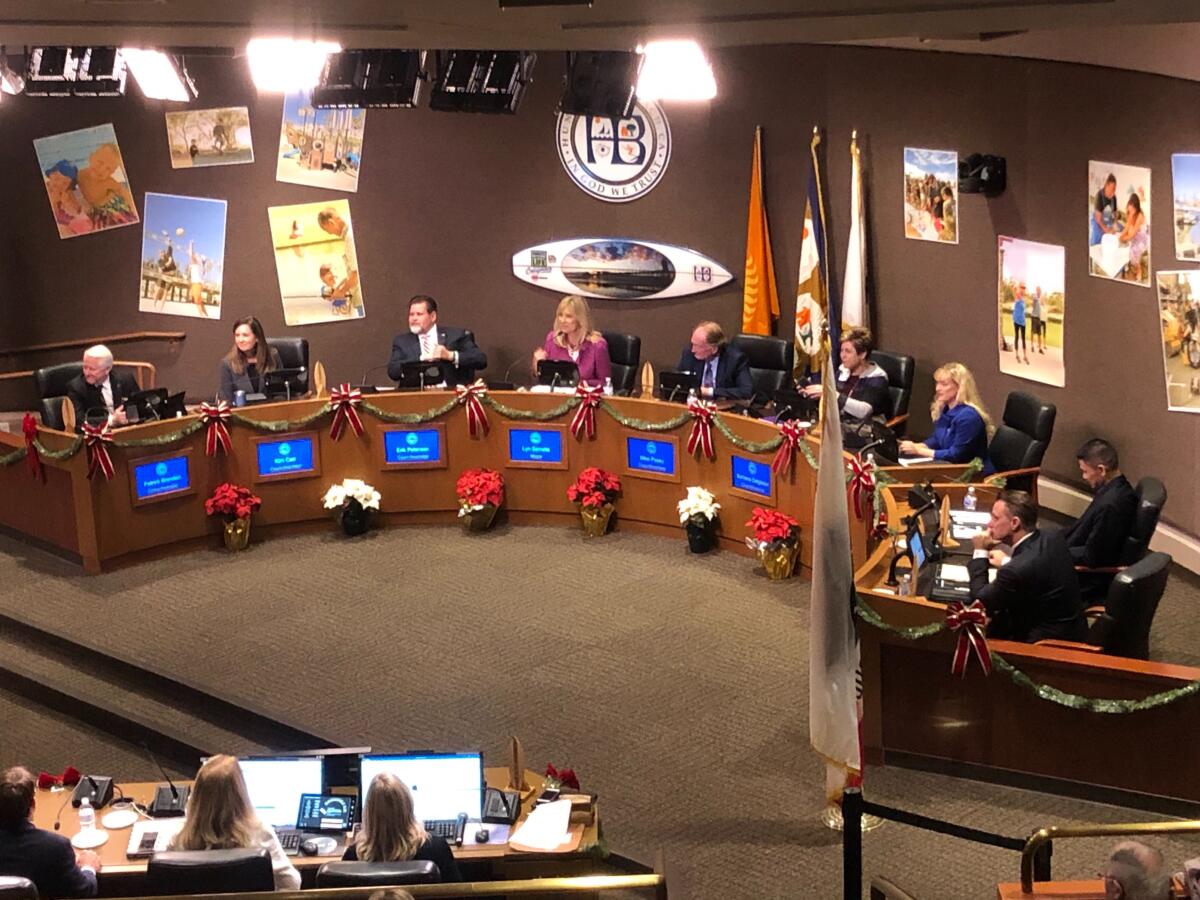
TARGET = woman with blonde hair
(961,426)
(219,817)
(573,339)
(391,833)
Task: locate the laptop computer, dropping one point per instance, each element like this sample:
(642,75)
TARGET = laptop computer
(447,788)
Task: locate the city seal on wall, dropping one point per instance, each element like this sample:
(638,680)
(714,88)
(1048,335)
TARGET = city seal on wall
(617,160)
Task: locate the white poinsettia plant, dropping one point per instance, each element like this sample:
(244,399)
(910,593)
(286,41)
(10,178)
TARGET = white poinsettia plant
(698,502)
(352,489)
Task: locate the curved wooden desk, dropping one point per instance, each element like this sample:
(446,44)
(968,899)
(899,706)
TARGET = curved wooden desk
(97,523)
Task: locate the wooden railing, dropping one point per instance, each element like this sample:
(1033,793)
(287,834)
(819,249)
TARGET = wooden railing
(171,337)
(145,373)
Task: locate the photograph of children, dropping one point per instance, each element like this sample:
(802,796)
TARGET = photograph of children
(320,147)
(931,195)
(1119,222)
(1179,315)
(209,137)
(1032,304)
(86,181)
(1185,184)
(183,256)
(316,262)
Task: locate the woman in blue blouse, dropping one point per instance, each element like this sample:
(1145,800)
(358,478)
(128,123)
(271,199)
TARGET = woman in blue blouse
(961,425)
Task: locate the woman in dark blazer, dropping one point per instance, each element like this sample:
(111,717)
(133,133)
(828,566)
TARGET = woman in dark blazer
(248,361)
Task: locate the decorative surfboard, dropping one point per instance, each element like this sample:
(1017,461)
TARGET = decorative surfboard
(618,269)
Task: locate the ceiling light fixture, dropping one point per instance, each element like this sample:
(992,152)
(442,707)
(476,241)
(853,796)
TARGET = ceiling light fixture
(282,65)
(675,70)
(159,76)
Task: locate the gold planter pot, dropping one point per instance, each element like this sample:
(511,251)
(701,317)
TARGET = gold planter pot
(237,534)
(480,519)
(595,521)
(780,561)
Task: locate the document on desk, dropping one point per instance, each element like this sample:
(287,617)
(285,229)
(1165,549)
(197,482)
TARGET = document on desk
(546,827)
(914,460)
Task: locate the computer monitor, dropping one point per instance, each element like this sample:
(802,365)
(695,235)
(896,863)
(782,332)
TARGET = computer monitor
(917,545)
(557,372)
(276,783)
(442,784)
(674,386)
(286,383)
(146,406)
(416,374)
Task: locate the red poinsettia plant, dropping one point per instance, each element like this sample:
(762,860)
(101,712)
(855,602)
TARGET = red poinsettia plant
(594,487)
(232,501)
(562,778)
(478,488)
(772,527)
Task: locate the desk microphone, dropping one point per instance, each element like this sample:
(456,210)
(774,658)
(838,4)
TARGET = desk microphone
(554,382)
(780,413)
(508,371)
(363,383)
(58,818)
(671,396)
(169,800)
(862,452)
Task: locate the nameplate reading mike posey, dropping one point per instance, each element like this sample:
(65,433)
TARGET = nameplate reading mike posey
(544,447)
(655,457)
(415,448)
(280,457)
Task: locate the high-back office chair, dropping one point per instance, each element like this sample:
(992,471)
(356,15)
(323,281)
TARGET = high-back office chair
(771,361)
(1151,498)
(900,371)
(377,874)
(471,337)
(209,872)
(1020,441)
(13,887)
(51,385)
(625,352)
(1123,629)
(293,352)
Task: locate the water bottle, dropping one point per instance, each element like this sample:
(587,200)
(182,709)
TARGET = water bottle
(87,815)
(905,585)
(608,388)
(239,398)
(969,500)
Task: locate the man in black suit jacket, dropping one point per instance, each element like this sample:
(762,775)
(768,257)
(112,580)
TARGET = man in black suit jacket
(724,370)
(451,348)
(1035,594)
(45,858)
(99,388)
(1098,536)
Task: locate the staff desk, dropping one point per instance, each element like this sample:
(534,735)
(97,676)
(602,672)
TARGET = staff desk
(989,727)
(98,523)
(122,875)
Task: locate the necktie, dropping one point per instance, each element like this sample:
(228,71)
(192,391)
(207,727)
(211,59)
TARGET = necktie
(710,374)
(427,343)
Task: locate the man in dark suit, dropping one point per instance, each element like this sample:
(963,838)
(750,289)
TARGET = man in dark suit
(724,370)
(45,858)
(1035,594)
(99,389)
(1098,536)
(452,349)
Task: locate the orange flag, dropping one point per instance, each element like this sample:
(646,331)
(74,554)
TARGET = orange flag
(760,300)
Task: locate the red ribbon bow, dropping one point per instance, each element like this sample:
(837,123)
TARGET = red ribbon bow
(793,433)
(215,418)
(471,395)
(96,437)
(29,429)
(585,415)
(68,778)
(862,485)
(701,436)
(344,399)
(970,622)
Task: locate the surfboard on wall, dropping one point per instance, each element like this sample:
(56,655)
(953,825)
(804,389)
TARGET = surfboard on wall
(618,269)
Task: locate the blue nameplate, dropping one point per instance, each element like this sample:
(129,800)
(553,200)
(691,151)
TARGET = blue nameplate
(534,445)
(163,476)
(287,456)
(752,476)
(647,455)
(418,446)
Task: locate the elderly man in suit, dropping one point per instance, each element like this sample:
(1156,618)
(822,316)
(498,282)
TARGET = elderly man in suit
(45,858)
(100,391)
(1035,593)
(452,349)
(724,370)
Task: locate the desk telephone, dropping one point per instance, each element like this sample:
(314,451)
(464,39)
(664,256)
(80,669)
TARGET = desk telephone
(501,807)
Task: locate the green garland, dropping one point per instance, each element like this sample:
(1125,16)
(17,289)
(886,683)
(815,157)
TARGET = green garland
(66,453)
(408,418)
(16,456)
(644,424)
(974,467)
(276,425)
(528,415)
(1019,678)
(188,429)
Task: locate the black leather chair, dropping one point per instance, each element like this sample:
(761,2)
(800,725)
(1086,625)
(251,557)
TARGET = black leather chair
(1152,497)
(901,370)
(13,887)
(293,352)
(51,385)
(209,872)
(1123,629)
(1020,441)
(625,351)
(771,361)
(377,874)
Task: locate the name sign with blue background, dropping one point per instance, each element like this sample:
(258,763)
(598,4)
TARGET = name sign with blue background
(163,476)
(752,475)
(646,455)
(282,457)
(535,445)
(418,446)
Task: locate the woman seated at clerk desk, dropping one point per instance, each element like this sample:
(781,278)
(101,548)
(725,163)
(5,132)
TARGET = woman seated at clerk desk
(248,361)
(572,338)
(219,817)
(961,425)
(862,386)
(391,833)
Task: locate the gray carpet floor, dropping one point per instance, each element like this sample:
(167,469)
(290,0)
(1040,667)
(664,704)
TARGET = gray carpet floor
(675,685)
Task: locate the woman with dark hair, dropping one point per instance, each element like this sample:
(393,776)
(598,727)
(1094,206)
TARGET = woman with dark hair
(251,358)
(391,833)
(862,386)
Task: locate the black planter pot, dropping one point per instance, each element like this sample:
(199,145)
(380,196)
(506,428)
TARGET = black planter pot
(701,534)
(354,518)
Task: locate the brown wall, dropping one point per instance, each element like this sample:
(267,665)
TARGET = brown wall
(445,199)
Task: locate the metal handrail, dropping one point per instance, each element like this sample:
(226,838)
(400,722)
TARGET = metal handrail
(1043,836)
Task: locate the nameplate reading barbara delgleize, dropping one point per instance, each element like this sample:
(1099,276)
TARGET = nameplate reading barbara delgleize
(161,477)
(752,476)
(285,457)
(535,445)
